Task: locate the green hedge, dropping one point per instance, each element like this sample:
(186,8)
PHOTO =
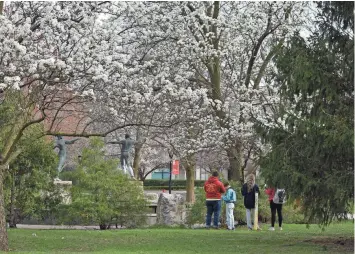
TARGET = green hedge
(166,188)
(160,183)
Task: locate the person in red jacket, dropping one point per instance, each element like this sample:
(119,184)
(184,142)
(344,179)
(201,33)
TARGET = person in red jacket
(271,193)
(214,189)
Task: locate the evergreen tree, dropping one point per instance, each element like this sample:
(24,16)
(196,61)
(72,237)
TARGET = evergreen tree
(312,151)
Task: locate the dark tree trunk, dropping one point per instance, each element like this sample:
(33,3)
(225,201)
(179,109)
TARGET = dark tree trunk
(4,242)
(12,222)
(242,177)
(104,226)
(137,154)
(190,178)
(235,160)
(1,7)
(137,160)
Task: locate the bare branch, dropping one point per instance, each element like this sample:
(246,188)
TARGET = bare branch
(104,134)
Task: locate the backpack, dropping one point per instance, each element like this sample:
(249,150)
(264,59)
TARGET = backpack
(280,196)
(234,196)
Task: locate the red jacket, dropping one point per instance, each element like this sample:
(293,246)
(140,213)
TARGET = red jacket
(271,193)
(214,188)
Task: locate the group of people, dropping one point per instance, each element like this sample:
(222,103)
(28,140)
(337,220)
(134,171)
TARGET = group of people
(216,191)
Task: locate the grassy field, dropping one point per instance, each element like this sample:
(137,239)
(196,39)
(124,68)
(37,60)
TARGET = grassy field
(337,238)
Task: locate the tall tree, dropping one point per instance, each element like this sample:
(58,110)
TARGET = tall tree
(48,65)
(312,139)
(222,49)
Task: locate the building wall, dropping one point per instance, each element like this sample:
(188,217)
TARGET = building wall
(71,119)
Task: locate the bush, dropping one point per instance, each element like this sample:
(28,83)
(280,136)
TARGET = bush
(103,194)
(197,212)
(166,188)
(29,191)
(292,213)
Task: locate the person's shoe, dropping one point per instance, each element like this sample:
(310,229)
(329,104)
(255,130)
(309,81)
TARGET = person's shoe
(215,227)
(271,228)
(280,228)
(250,229)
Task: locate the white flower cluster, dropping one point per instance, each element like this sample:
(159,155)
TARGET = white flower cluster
(185,69)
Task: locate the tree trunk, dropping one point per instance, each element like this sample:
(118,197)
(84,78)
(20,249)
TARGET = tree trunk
(12,222)
(1,6)
(137,154)
(4,242)
(235,160)
(242,177)
(190,178)
(104,226)
(137,160)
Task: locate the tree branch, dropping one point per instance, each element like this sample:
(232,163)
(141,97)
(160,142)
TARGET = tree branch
(104,134)
(9,148)
(256,48)
(266,62)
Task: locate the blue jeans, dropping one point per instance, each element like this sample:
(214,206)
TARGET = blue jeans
(213,206)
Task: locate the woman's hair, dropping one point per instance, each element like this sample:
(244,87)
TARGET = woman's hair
(250,182)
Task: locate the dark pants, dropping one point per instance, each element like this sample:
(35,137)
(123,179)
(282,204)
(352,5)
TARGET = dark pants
(275,207)
(213,207)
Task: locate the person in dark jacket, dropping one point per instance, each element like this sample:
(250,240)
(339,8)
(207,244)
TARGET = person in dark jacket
(248,191)
(214,189)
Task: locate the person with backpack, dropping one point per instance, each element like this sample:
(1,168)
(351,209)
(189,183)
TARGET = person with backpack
(276,198)
(214,189)
(229,198)
(248,191)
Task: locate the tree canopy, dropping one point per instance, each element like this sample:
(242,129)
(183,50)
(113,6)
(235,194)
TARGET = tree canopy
(193,79)
(312,152)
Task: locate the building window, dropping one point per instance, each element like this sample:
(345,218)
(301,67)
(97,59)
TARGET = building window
(162,173)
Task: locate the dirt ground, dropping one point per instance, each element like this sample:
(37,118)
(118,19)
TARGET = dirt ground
(341,244)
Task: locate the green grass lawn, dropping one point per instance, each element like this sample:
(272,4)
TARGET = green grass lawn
(337,238)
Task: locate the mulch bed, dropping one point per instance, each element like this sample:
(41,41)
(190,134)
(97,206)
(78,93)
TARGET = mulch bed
(331,243)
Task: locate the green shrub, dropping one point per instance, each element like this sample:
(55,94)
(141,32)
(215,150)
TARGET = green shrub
(166,188)
(29,191)
(103,195)
(197,212)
